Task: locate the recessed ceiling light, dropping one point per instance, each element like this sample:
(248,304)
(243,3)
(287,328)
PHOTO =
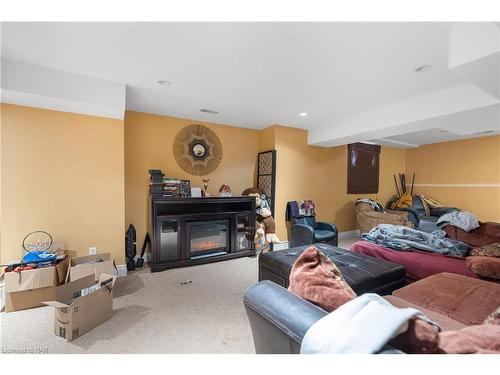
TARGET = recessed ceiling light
(302,114)
(423,68)
(211,111)
(163,82)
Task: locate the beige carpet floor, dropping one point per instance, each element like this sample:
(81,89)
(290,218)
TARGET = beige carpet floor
(155,313)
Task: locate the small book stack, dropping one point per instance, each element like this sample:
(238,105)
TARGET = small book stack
(156,183)
(176,188)
(163,187)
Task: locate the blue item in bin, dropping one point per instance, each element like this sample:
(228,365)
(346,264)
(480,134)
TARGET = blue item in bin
(38,256)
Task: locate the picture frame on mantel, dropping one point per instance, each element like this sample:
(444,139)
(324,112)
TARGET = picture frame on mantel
(266,175)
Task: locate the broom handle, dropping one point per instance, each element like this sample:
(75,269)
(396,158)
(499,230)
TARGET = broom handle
(397,187)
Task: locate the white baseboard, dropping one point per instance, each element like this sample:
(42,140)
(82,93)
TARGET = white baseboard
(122,270)
(281,245)
(147,257)
(349,234)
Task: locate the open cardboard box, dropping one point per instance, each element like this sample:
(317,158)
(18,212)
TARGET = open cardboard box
(29,288)
(97,264)
(82,305)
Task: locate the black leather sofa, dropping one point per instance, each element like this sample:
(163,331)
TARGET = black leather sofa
(279,319)
(417,215)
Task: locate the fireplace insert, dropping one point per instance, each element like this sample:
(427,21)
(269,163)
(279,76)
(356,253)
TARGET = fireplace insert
(207,238)
(190,231)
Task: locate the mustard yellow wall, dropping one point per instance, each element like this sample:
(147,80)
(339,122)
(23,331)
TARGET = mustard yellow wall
(320,174)
(267,139)
(465,165)
(63,173)
(1,159)
(84,178)
(148,145)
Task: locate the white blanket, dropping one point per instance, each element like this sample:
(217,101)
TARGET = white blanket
(363,325)
(461,219)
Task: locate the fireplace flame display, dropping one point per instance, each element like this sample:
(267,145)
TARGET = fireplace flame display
(205,245)
(208,237)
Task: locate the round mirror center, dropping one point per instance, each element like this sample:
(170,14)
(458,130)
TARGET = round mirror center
(199,150)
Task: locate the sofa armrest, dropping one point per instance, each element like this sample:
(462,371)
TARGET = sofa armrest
(392,215)
(327,226)
(279,319)
(301,235)
(403,214)
(393,219)
(439,211)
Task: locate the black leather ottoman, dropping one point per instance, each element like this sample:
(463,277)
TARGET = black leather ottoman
(363,273)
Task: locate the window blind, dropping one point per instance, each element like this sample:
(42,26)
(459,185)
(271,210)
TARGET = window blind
(363,168)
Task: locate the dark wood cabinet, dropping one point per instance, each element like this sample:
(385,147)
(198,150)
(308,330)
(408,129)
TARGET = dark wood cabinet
(167,240)
(188,231)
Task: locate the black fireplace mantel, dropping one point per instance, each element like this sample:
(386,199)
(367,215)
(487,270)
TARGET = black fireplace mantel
(172,218)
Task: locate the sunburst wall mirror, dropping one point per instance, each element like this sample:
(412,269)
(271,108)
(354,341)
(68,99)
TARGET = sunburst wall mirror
(197,150)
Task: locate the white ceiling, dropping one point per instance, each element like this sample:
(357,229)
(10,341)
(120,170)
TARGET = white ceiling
(444,128)
(254,74)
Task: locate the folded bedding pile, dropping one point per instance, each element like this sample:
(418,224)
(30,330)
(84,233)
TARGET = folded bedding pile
(407,239)
(464,220)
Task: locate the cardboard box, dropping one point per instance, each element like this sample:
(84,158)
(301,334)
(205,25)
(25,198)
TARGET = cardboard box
(80,267)
(30,279)
(78,309)
(28,289)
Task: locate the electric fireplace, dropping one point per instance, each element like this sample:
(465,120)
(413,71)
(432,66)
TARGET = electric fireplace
(207,238)
(190,231)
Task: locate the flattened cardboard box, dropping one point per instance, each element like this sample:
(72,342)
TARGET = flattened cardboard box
(28,289)
(76,314)
(90,265)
